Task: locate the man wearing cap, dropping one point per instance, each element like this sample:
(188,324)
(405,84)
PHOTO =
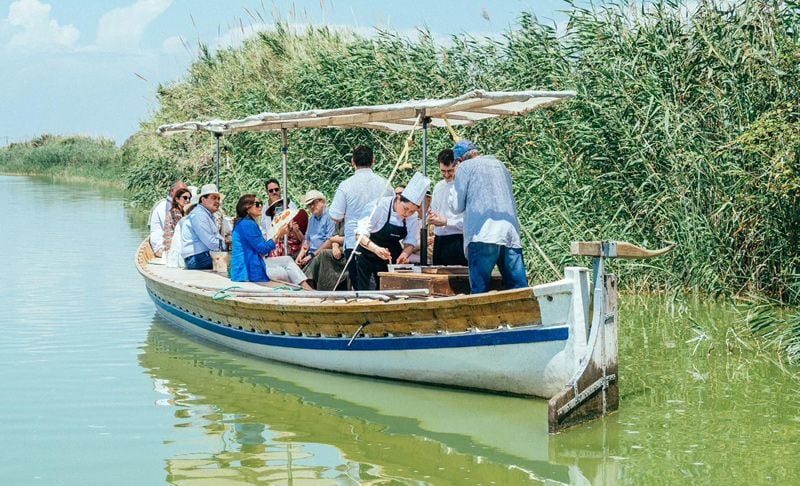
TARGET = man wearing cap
(353,196)
(388,232)
(158,218)
(320,227)
(482,192)
(200,234)
(448,239)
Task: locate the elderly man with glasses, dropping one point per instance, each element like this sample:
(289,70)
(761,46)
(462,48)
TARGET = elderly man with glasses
(482,192)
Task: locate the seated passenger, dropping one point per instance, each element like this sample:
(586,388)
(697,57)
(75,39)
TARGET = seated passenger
(249,248)
(388,232)
(200,234)
(320,227)
(296,234)
(274,197)
(158,217)
(328,264)
(177,210)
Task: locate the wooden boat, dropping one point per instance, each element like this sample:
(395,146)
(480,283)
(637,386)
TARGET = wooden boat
(534,341)
(537,341)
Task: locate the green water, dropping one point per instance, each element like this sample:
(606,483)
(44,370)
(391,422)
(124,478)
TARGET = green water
(97,389)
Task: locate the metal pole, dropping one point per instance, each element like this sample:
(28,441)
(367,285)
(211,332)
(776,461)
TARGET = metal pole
(423,231)
(285,185)
(218,136)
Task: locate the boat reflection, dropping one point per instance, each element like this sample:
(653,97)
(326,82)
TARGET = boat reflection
(261,420)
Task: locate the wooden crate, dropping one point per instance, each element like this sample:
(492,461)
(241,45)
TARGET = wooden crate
(436,283)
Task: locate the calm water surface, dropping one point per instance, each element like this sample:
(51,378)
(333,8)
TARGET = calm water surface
(97,389)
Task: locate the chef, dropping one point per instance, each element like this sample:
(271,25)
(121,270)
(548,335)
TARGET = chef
(388,232)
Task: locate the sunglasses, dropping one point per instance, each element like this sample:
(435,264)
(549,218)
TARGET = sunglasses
(258,204)
(186,197)
(274,191)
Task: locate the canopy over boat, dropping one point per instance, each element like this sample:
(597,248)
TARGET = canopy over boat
(466,109)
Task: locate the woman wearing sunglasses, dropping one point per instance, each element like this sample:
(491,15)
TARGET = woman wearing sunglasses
(249,248)
(176,211)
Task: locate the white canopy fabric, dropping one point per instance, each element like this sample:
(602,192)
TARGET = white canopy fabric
(466,109)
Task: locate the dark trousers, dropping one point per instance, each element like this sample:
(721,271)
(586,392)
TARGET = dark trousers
(201,261)
(449,250)
(367,267)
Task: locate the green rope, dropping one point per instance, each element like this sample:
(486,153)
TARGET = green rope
(222,294)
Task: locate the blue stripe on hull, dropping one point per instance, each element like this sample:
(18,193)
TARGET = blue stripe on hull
(483,338)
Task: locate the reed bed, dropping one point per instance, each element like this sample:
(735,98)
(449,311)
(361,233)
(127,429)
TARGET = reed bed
(686,128)
(66,157)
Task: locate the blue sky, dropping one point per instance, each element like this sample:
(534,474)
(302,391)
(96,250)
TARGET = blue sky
(91,67)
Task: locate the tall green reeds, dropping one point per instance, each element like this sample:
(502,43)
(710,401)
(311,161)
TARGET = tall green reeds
(71,157)
(686,128)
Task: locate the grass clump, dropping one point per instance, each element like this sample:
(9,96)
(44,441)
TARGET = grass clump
(66,157)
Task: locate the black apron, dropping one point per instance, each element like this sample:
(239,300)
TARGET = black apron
(369,264)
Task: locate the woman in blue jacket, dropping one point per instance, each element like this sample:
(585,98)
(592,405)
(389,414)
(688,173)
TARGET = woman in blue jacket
(250,247)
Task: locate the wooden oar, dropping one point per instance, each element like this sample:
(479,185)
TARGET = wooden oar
(619,249)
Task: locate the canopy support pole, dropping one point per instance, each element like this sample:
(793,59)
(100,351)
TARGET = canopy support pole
(285,184)
(423,230)
(218,136)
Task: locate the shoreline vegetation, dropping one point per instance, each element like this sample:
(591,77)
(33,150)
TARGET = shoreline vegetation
(685,129)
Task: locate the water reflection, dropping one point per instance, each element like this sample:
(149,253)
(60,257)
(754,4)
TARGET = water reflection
(272,421)
(698,401)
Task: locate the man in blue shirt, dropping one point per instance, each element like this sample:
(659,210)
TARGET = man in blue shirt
(320,227)
(200,234)
(482,192)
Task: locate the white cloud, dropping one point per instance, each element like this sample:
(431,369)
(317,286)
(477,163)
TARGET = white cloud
(39,31)
(122,28)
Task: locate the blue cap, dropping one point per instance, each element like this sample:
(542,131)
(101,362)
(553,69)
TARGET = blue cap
(461,148)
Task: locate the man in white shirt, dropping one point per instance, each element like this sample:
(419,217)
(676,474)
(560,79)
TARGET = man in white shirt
(158,217)
(353,195)
(448,239)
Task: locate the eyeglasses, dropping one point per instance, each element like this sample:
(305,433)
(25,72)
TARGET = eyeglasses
(186,197)
(258,204)
(275,190)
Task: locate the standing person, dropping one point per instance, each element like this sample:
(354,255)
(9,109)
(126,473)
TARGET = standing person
(249,248)
(448,234)
(176,211)
(353,195)
(482,191)
(200,234)
(389,232)
(274,197)
(320,227)
(158,218)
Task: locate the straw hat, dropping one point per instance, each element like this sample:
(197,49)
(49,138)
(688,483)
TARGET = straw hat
(210,189)
(312,196)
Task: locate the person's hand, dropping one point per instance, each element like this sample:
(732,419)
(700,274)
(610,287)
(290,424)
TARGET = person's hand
(304,261)
(282,231)
(383,253)
(402,259)
(336,251)
(294,226)
(436,219)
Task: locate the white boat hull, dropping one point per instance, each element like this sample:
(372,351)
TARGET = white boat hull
(523,362)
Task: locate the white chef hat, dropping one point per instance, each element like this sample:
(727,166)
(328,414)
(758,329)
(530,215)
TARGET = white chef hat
(416,188)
